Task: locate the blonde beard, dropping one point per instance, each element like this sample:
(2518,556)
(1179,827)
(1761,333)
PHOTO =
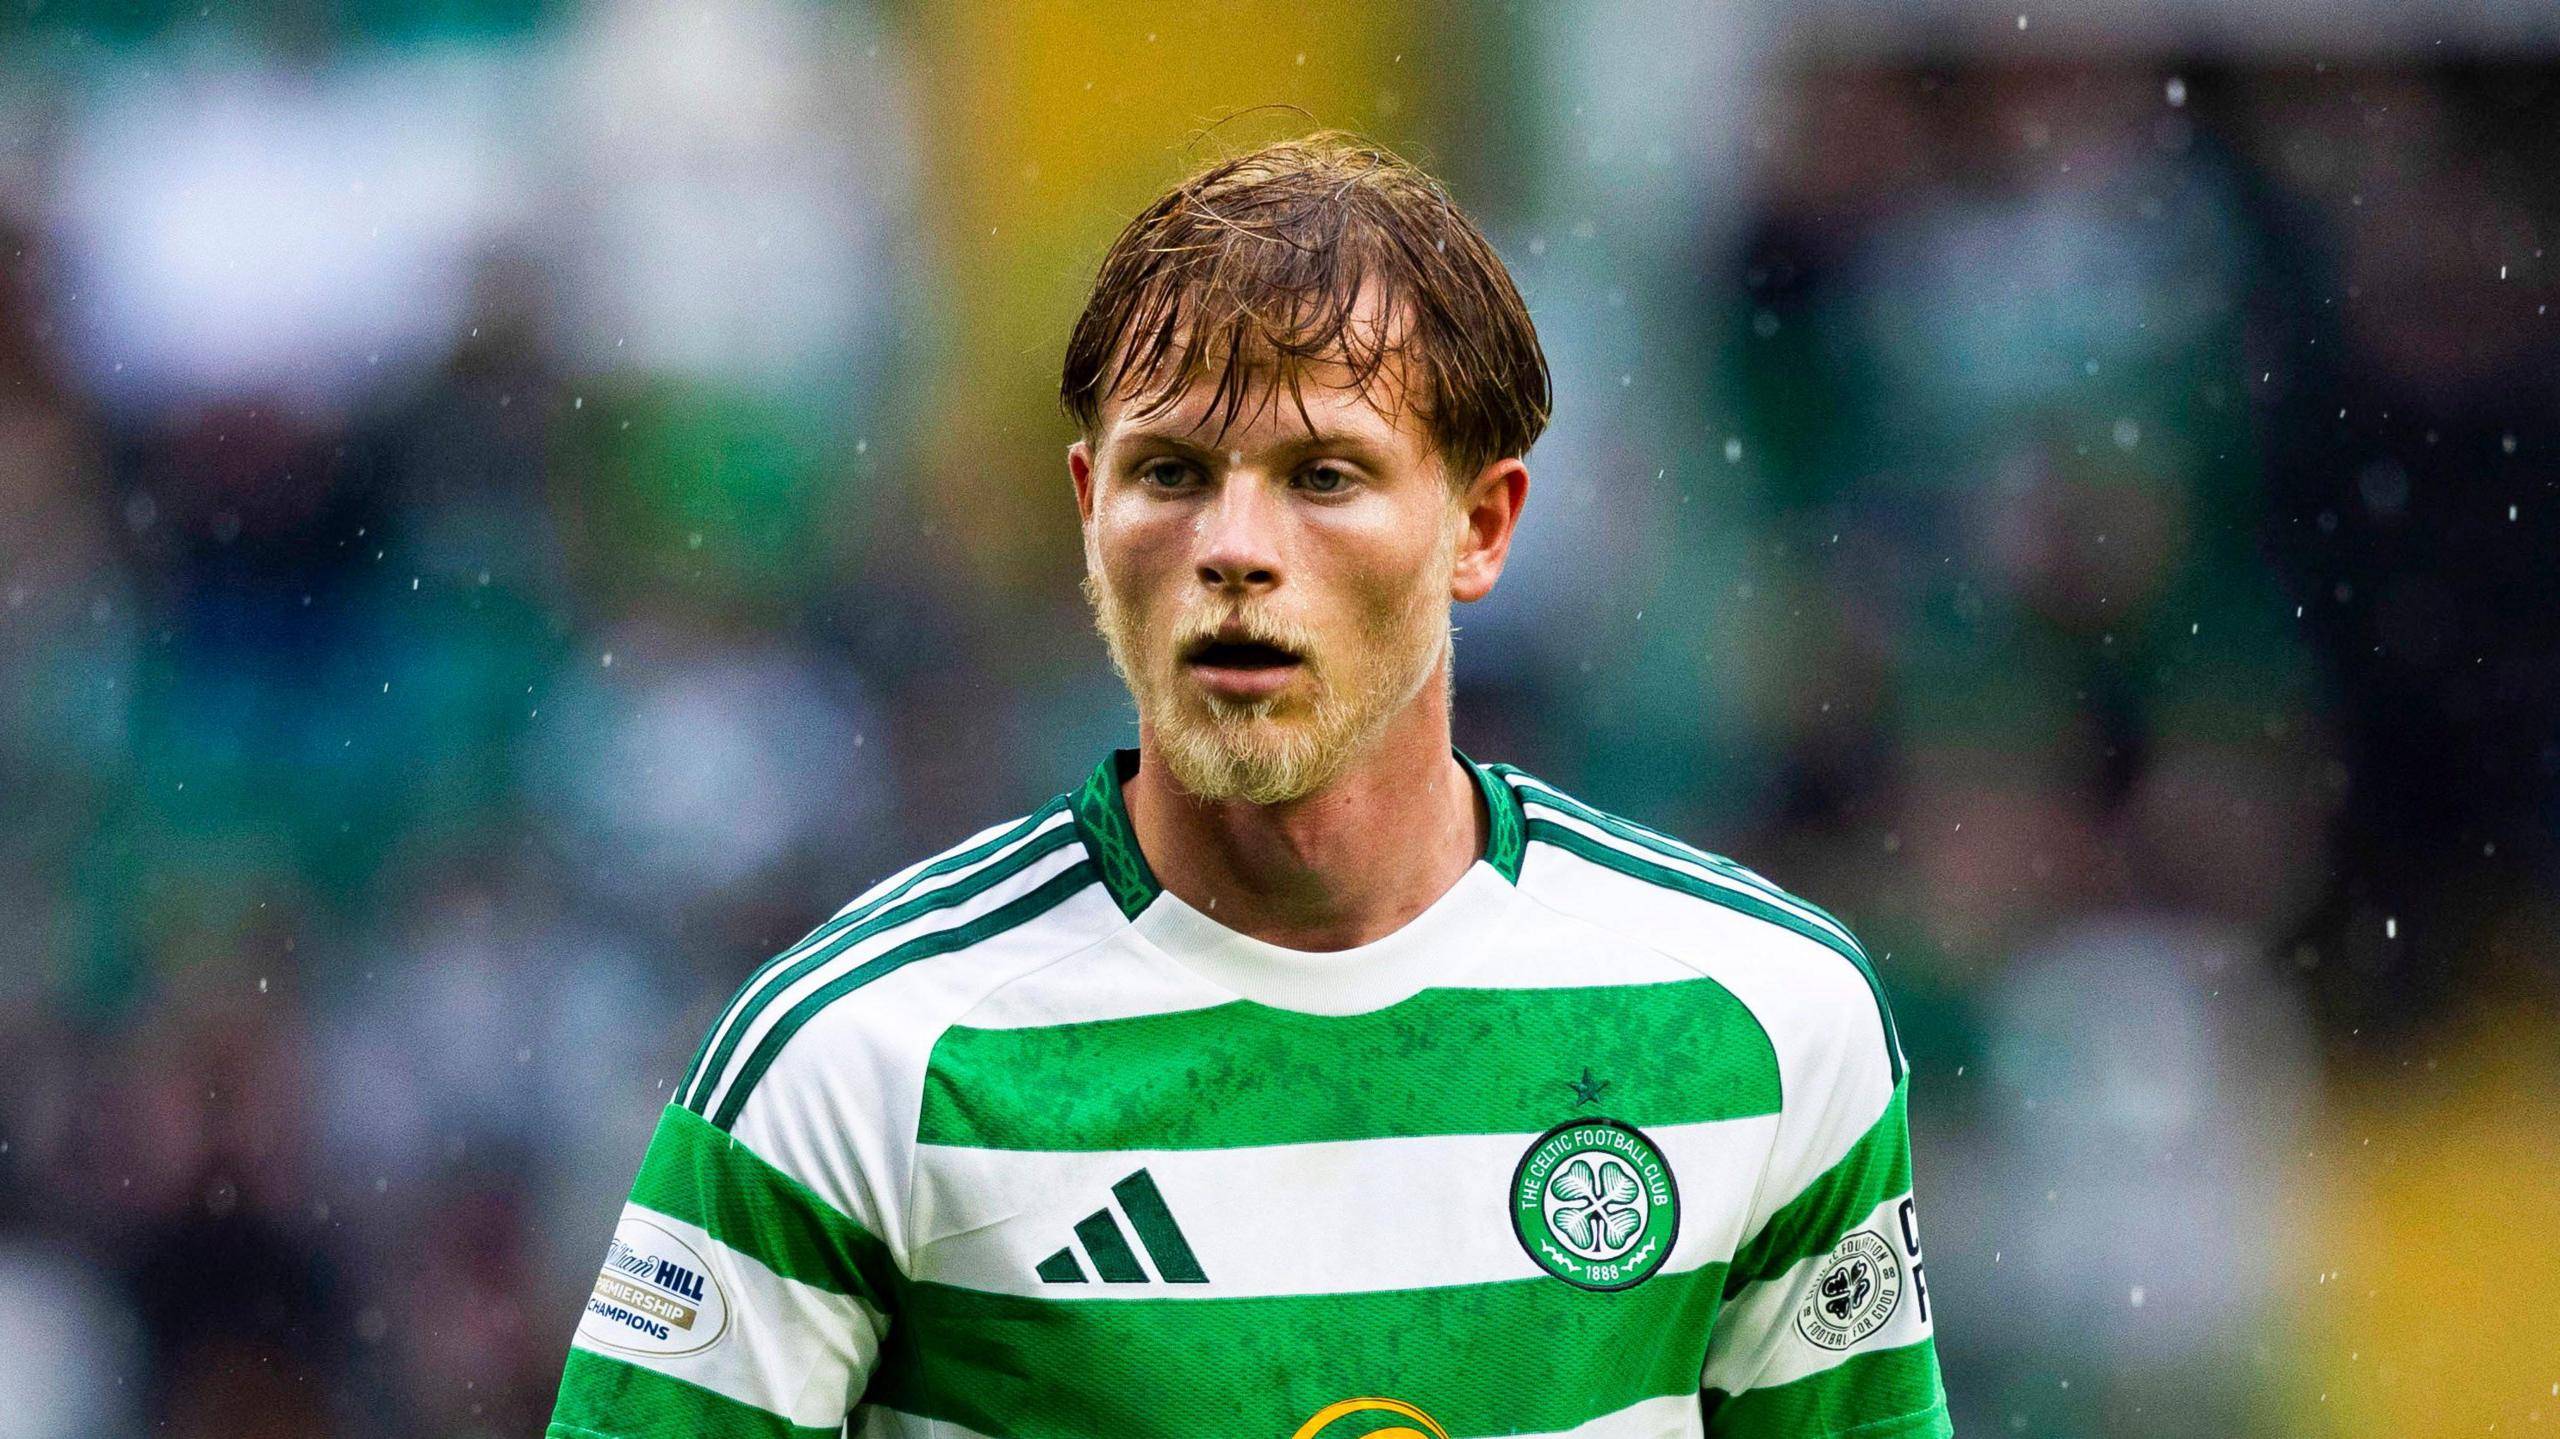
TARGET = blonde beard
(1238,750)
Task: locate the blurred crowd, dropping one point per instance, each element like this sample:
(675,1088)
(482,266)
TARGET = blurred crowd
(492,545)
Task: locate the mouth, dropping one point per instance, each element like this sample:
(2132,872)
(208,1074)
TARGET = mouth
(1238,655)
(1241,669)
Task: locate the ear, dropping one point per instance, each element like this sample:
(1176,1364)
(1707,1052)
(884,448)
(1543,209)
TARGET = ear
(1080,470)
(1491,503)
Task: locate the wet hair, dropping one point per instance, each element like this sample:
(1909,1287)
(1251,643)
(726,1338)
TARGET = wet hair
(1325,248)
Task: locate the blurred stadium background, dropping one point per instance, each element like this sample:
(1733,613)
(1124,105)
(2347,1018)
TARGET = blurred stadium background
(511,511)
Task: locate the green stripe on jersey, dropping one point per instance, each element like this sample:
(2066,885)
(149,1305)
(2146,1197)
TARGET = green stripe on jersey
(1444,1061)
(948,897)
(706,1178)
(604,1398)
(1056,890)
(752,994)
(1495,1358)
(1875,1169)
(1889,1394)
(1751,903)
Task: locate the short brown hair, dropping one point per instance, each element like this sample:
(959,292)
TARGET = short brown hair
(1262,260)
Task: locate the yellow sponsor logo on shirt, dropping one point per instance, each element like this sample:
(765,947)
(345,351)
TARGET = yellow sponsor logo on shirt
(1341,1407)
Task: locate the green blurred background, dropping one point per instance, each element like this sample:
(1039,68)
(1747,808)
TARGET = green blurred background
(510,512)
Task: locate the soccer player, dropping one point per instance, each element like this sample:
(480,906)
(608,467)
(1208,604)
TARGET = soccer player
(1293,1073)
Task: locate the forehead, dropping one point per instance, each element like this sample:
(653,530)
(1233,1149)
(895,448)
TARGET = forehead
(1264,409)
(1244,393)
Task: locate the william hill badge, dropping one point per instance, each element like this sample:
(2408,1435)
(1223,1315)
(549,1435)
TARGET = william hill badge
(1594,1204)
(655,1296)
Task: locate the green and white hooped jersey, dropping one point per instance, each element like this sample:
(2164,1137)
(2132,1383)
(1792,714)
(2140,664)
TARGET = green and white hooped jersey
(1608,1141)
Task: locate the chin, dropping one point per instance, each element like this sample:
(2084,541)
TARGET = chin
(1258,759)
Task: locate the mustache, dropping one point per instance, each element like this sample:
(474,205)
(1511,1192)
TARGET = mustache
(1242,627)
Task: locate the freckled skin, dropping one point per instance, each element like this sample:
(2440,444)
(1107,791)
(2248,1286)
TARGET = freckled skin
(1344,553)
(1328,812)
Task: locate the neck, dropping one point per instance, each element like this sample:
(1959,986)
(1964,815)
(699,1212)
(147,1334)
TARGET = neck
(1344,866)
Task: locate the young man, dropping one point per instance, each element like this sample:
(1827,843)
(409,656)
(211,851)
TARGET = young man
(1293,1073)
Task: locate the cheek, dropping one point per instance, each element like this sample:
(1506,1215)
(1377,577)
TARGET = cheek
(1133,563)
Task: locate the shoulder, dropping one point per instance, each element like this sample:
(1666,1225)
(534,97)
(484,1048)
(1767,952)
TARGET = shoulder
(1803,974)
(840,1009)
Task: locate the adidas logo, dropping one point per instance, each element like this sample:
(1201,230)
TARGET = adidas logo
(1108,1248)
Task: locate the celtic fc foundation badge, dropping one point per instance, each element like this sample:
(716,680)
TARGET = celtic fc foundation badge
(1594,1204)
(1854,1294)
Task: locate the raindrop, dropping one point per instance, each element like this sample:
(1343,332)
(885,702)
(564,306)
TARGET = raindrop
(2177,92)
(1733,451)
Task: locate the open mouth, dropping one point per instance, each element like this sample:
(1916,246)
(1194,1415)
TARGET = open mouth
(1241,671)
(1239,655)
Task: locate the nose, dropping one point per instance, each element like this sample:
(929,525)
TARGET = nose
(1240,536)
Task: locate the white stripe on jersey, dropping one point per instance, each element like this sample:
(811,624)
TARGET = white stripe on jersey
(1356,1192)
(1129,978)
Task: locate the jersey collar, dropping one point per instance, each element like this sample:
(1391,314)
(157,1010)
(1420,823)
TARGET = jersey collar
(1102,821)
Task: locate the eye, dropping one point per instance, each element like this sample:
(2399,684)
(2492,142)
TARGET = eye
(1164,473)
(1327,479)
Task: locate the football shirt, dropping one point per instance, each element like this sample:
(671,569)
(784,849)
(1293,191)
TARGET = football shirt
(1608,1140)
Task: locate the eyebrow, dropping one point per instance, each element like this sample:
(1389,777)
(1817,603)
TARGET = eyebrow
(1298,442)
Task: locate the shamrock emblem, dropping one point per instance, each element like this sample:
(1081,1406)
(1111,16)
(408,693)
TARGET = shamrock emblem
(1845,1290)
(1599,1211)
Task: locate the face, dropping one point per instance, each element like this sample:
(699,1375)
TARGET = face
(1276,595)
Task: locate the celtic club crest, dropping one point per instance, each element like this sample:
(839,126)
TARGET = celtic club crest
(1594,1204)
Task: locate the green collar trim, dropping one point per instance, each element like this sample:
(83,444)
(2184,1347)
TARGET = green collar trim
(1102,821)
(1507,838)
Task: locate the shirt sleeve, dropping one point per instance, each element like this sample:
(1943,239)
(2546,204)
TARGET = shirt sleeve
(1826,1325)
(733,1301)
